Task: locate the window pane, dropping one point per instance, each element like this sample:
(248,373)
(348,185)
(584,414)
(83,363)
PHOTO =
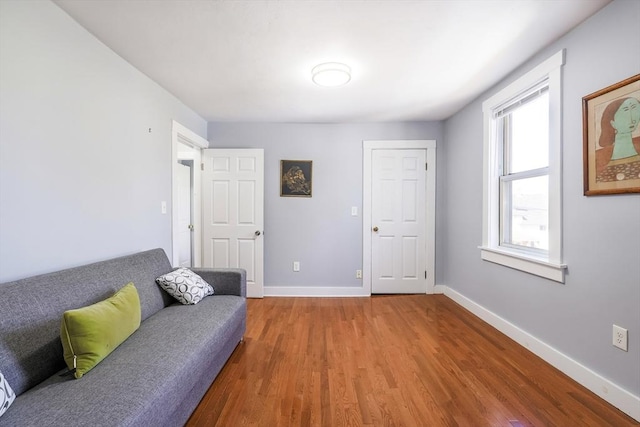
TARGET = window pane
(525,212)
(529,139)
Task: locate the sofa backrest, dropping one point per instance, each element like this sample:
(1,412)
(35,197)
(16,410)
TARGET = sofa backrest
(31,310)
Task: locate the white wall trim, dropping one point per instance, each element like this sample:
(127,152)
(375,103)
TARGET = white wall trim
(181,134)
(492,153)
(430,199)
(604,388)
(439,289)
(189,136)
(539,267)
(316,291)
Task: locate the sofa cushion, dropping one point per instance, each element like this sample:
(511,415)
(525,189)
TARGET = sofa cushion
(89,334)
(185,286)
(7,396)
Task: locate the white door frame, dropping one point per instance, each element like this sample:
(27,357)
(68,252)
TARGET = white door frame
(185,171)
(182,135)
(430,200)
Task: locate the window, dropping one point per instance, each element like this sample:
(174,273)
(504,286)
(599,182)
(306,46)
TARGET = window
(523,139)
(522,173)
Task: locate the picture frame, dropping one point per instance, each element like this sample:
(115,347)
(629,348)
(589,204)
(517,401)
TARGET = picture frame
(296,178)
(611,139)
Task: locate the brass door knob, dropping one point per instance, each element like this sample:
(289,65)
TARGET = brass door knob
(375,229)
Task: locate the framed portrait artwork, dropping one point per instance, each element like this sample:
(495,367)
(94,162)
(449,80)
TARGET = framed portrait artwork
(612,139)
(296,178)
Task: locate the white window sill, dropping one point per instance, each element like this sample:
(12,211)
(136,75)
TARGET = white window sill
(538,266)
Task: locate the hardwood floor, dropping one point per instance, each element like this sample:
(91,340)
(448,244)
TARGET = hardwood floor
(418,360)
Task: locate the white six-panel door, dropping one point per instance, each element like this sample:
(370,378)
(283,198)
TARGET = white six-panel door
(232,188)
(398,219)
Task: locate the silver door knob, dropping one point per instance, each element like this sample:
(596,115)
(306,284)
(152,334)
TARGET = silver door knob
(375,229)
(257,233)
(191,227)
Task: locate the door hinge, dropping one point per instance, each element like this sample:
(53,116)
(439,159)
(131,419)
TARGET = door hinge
(201,166)
(426,166)
(425,274)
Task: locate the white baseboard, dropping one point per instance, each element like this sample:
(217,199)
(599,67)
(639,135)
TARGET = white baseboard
(439,289)
(607,390)
(317,291)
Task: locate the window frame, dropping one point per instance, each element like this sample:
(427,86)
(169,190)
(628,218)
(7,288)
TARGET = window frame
(541,263)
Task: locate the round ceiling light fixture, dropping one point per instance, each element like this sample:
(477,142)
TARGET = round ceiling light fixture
(331,74)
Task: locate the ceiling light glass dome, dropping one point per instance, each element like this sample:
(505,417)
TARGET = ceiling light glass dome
(331,74)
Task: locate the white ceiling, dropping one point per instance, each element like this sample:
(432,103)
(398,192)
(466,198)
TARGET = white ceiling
(252,60)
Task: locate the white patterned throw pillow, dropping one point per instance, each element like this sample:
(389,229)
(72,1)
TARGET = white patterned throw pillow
(7,396)
(185,286)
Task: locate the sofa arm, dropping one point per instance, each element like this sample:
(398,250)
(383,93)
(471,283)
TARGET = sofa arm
(225,281)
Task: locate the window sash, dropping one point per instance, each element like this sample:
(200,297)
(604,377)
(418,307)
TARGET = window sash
(504,140)
(504,136)
(533,173)
(505,226)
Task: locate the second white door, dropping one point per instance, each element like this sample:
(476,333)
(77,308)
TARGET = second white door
(398,218)
(232,200)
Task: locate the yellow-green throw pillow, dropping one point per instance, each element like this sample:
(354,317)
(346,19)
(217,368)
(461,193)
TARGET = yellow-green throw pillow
(90,333)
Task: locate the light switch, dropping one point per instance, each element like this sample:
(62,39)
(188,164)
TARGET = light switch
(163,207)
(354,211)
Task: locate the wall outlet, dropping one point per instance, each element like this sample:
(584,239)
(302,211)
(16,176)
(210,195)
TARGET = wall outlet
(358,274)
(620,337)
(296,265)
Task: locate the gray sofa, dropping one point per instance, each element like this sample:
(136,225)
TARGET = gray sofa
(155,378)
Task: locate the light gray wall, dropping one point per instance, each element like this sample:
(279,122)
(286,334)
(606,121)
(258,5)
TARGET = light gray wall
(81,178)
(601,234)
(319,231)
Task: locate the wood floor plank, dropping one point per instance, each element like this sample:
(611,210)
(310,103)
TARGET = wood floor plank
(406,360)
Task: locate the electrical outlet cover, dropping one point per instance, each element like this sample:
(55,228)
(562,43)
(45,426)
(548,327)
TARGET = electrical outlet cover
(620,337)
